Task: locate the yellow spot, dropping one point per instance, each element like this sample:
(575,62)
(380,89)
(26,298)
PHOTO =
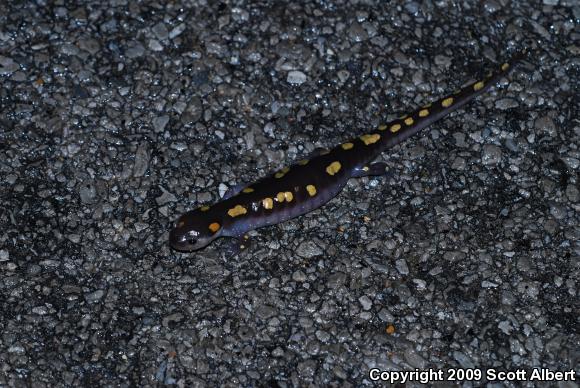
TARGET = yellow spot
(268,203)
(237,210)
(333,168)
(365,168)
(427,106)
(382,127)
(423,113)
(347,146)
(303,162)
(248,190)
(282,172)
(478,86)
(447,102)
(214,227)
(370,139)
(280,197)
(288,195)
(505,66)
(311,190)
(395,127)
(204,208)
(390,329)
(409,121)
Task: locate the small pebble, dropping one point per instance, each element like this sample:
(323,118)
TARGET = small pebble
(296,77)
(308,249)
(160,122)
(357,33)
(402,267)
(491,155)
(94,296)
(365,302)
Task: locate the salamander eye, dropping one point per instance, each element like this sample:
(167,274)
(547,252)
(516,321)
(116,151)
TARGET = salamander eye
(191,239)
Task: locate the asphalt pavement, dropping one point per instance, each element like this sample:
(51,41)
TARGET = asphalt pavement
(118,116)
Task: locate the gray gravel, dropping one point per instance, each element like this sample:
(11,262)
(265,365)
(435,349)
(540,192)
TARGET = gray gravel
(118,116)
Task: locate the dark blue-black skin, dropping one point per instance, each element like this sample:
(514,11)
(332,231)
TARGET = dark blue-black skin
(310,183)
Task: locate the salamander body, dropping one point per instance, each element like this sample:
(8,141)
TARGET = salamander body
(310,183)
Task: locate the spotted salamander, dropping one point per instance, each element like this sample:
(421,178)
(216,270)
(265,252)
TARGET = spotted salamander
(310,183)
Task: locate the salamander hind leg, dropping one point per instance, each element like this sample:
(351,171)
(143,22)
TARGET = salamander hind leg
(233,191)
(236,245)
(374,169)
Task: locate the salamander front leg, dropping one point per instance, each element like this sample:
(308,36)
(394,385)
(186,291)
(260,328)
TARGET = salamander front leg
(234,190)
(236,245)
(374,169)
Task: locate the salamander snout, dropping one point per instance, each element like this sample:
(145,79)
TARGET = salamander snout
(181,241)
(193,232)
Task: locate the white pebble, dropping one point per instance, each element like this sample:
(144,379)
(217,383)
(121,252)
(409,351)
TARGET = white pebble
(222,189)
(296,77)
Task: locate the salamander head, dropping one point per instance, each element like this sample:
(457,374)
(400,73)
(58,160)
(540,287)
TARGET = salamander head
(194,230)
